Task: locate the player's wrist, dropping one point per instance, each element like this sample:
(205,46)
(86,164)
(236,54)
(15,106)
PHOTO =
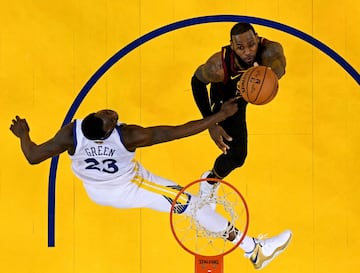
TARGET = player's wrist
(214,126)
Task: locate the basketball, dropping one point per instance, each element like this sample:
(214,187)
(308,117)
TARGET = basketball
(258,85)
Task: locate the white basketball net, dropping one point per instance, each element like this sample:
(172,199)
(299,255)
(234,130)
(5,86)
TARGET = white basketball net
(195,237)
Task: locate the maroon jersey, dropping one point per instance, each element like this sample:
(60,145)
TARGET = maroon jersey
(233,70)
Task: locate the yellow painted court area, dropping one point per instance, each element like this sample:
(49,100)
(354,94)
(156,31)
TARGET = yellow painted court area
(302,170)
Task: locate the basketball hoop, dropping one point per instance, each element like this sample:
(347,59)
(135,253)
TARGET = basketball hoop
(209,247)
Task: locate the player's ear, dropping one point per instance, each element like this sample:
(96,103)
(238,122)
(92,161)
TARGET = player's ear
(232,44)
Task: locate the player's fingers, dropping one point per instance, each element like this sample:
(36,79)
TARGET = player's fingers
(256,64)
(223,149)
(222,145)
(26,125)
(226,136)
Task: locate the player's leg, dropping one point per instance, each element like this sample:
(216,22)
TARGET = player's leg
(154,192)
(235,126)
(259,251)
(158,193)
(234,158)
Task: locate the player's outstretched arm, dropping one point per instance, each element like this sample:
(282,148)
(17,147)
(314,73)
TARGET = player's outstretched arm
(35,153)
(136,136)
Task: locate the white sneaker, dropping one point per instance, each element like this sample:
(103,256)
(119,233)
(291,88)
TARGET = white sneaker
(266,250)
(209,191)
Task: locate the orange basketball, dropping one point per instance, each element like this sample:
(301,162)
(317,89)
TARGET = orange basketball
(258,85)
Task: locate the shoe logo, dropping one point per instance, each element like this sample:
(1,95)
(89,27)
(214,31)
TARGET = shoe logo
(234,77)
(254,259)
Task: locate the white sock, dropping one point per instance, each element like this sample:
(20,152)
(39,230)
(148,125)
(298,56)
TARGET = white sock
(247,244)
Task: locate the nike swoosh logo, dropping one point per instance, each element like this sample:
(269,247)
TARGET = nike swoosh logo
(255,255)
(254,260)
(234,77)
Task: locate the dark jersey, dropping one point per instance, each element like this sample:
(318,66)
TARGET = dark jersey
(233,67)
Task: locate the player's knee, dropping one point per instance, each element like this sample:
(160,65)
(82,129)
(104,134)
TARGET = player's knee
(238,159)
(226,163)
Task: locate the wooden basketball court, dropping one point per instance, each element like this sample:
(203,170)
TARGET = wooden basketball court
(302,170)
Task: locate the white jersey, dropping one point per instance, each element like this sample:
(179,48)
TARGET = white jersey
(111,176)
(100,161)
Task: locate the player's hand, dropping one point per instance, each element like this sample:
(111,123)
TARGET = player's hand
(19,127)
(256,64)
(218,135)
(229,107)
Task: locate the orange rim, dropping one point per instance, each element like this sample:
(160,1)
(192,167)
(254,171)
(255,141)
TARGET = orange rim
(244,231)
